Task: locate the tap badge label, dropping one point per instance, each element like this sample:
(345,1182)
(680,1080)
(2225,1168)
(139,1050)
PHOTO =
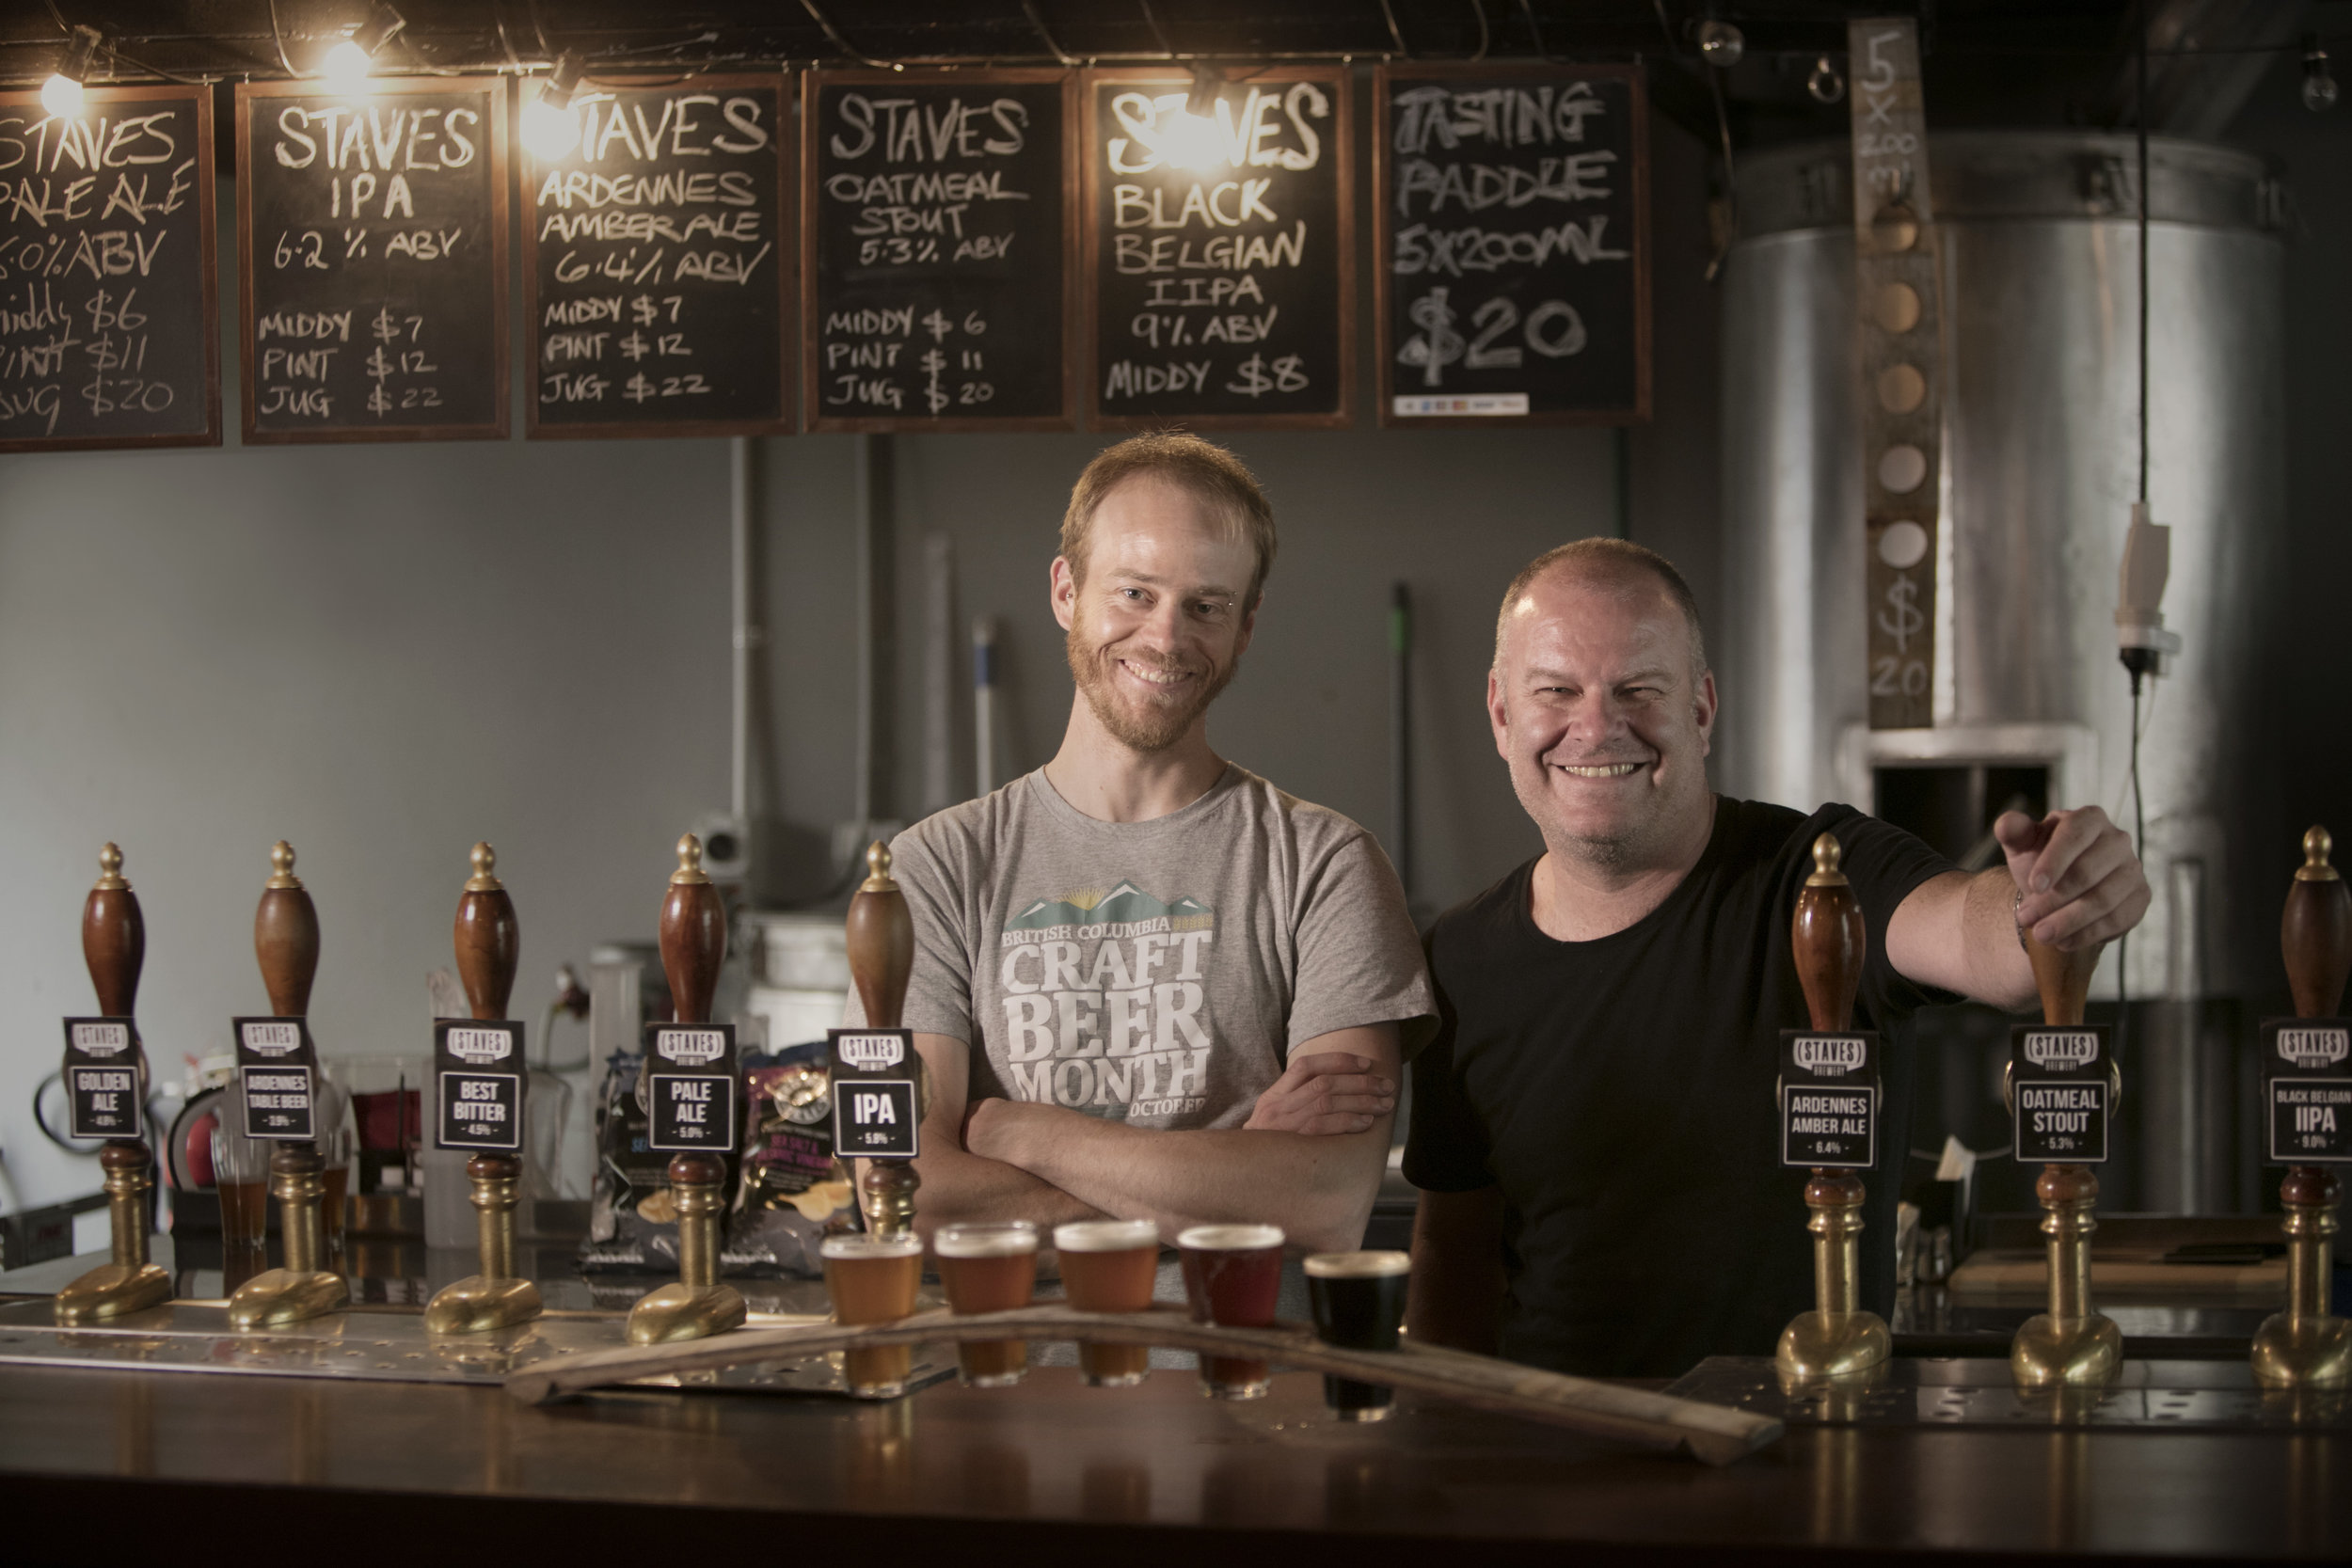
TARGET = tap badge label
(877,1093)
(1830,1055)
(2059,1079)
(2309,1048)
(690,1087)
(2308,1090)
(1829,1099)
(691,1047)
(104,1075)
(2060,1050)
(277,1075)
(480,1110)
(868,1050)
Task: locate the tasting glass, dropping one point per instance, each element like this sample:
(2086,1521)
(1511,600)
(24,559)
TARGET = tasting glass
(989,1267)
(873,1279)
(1358,1299)
(1233,1274)
(1109,1266)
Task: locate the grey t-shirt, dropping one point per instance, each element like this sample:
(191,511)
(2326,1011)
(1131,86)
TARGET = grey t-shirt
(1156,972)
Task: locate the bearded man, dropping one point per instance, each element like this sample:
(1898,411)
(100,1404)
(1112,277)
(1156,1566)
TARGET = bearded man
(1147,983)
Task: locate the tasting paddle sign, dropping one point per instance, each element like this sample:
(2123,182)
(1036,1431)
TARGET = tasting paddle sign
(938,249)
(1221,251)
(108,275)
(1511,244)
(658,263)
(371,260)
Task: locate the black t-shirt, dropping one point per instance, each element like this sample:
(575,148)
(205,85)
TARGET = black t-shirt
(1620,1092)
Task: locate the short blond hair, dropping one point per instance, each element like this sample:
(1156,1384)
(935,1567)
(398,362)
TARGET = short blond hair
(1208,472)
(1614,561)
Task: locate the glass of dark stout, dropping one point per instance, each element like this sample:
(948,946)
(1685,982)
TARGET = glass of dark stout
(1233,1274)
(1359,1304)
(989,1267)
(1109,1266)
(872,1279)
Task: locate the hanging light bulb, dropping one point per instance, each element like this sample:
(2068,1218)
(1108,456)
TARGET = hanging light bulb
(2319,85)
(1826,85)
(550,123)
(1721,44)
(62,95)
(348,63)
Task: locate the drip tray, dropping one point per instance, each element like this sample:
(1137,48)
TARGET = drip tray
(380,1344)
(2209,1395)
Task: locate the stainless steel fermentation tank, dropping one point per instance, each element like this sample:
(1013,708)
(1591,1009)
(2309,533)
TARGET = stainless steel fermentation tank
(2039,253)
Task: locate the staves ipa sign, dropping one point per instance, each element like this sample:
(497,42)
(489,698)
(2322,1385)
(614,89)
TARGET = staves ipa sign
(372,263)
(690,1075)
(937,233)
(2307,1082)
(1512,238)
(656,269)
(1221,251)
(107,271)
(478,1071)
(1829,1099)
(877,1094)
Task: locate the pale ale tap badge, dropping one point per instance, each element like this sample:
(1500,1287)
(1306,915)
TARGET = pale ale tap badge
(277,1076)
(477,1065)
(2061,1079)
(1829,1099)
(690,1074)
(103,1069)
(876,1107)
(2307,1067)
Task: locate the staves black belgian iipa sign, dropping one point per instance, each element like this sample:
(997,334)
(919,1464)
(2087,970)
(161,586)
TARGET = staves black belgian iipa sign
(657,267)
(372,265)
(1221,256)
(937,230)
(108,273)
(1511,240)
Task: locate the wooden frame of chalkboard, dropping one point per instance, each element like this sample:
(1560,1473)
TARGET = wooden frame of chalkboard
(814,279)
(494,346)
(785,144)
(1339,158)
(135,165)
(1635,408)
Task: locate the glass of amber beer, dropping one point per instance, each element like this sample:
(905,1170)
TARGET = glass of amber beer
(989,1267)
(872,1279)
(1232,1274)
(1109,1266)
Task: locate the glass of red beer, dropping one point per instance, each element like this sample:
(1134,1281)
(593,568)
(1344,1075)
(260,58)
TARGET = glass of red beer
(1109,1266)
(1232,1274)
(873,1279)
(987,1268)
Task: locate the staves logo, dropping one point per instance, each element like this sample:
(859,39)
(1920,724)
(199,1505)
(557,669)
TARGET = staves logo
(271,1040)
(1829,1056)
(691,1047)
(102,1040)
(868,1052)
(479,1045)
(2062,1049)
(2315,1048)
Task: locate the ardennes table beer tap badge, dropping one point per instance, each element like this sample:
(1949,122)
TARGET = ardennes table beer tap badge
(2060,1093)
(2307,1067)
(876,1106)
(1829,1099)
(278,1075)
(478,1063)
(690,1073)
(103,1071)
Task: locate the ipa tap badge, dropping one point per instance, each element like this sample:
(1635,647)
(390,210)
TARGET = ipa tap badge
(1829,1099)
(2307,1068)
(690,1073)
(103,1068)
(277,1073)
(876,1106)
(2061,1086)
(478,1068)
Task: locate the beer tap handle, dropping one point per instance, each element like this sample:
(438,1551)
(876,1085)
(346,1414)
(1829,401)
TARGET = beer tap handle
(2316,931)
(1828,939)
(286,937)
(881,942)
(488,941)
(2062,977)
(113,938)
(693,935)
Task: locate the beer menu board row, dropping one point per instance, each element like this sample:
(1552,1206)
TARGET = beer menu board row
(107,272)
(1001,249)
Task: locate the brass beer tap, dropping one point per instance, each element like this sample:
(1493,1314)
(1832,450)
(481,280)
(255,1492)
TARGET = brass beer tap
(113,946)
(882,957)
(286,941)
(488,944)
(694,944)
(2306,1347)
(1837,1339)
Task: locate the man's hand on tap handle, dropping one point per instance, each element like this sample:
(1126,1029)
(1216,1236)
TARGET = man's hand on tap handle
(2082,884)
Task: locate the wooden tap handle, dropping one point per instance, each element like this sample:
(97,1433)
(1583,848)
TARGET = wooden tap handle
(113,938)
(881,942)
(488,941)
(693,935)
(286,937)
(1828,939)
(2315,931)
(2063,978)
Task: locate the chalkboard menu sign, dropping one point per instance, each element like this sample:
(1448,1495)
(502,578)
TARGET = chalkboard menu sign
(1220,273)
(657,264)
(109,272)
(372,272)
(1512,280)
(936,238)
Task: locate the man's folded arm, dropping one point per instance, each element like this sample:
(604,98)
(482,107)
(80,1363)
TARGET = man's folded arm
(959,1186)
(1319,1188)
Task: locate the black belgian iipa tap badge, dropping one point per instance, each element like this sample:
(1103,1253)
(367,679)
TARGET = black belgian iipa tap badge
(2307,1073)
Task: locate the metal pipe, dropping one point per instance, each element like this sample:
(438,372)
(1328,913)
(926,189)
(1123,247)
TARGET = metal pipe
(745,635)
(984,705)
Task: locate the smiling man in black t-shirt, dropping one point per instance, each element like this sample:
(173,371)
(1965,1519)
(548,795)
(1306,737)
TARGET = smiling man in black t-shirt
(1593,1128)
